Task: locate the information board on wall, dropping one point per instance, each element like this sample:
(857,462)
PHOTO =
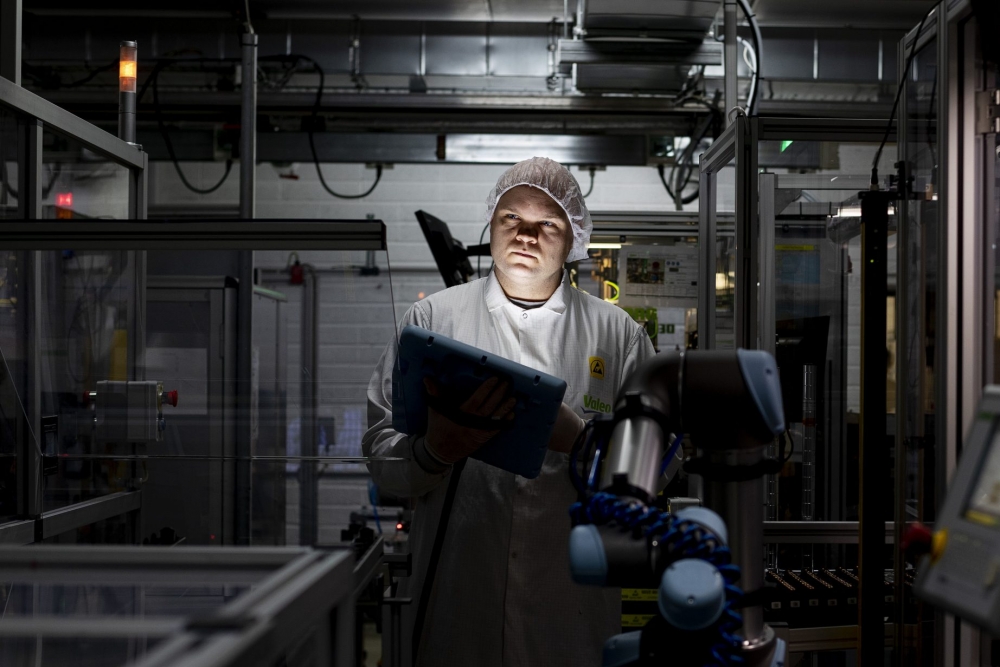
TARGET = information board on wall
(658,275)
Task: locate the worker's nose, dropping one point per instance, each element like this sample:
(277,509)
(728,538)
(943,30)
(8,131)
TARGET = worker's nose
(527,233)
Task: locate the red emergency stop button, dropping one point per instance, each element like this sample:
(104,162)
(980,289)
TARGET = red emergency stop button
(170,397)
(917,540)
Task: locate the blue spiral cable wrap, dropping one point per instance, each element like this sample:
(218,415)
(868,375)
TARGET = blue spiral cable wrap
(677,537)
(373,499)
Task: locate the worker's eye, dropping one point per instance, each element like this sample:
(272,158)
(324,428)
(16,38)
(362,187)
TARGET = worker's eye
(547,223)
(511,216)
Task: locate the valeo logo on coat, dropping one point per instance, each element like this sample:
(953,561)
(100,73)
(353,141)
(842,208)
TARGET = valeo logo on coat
(596,365)
(594,404)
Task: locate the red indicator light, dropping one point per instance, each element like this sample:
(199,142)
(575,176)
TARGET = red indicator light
(399,526)
(64,199)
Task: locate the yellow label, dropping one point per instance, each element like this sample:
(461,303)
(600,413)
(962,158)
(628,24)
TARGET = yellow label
(596,365)
(981,518)
(119,356)
(639,594)
(635,620)
(802,248)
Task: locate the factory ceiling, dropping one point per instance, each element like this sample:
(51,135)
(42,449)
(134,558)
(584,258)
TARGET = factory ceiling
(636,68)
(401,10)
(888,14)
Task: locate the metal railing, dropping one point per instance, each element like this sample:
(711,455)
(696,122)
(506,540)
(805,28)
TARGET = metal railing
(35,114)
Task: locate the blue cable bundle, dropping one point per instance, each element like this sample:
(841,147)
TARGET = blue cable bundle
(678,537)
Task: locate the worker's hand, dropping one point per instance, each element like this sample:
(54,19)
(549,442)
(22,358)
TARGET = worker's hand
(567,428)
(450,442)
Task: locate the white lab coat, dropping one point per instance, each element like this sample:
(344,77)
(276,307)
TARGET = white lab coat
(502,595)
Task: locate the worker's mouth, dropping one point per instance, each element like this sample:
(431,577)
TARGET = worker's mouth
(523,254)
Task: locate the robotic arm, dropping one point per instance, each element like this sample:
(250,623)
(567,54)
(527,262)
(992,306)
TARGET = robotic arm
(729,402)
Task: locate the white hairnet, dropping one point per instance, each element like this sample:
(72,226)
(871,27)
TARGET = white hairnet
(554,180)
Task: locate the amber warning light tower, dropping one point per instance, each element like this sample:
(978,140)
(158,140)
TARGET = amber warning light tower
(127,68)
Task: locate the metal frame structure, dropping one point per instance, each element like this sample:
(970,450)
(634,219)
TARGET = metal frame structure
(733,144)
(298,596)
(755,289)
(967,222)
(32,523)
(33,116)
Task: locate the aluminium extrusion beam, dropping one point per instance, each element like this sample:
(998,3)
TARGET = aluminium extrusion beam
(77,515)
(248,127)
(308,436)
(402,103)
(52,627)
(17,532)
(195,235)
(816,532)
(731,46)
(368,565)
(10,40)
(874,455)
(59,120)
(647,52)
(152,565)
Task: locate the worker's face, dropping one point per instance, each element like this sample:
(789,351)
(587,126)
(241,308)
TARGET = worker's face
(530,235)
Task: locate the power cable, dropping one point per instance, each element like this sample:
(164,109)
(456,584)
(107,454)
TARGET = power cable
(758,52)
(895,103)
(154,76)
(90,77)
(314,121)
(592,170)
(246,17)
(685,163)
(479,258)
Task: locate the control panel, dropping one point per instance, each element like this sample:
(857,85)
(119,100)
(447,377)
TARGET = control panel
(962,572)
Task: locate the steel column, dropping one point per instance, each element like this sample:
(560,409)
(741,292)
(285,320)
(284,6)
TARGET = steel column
(747,242)
(137,189)
(874,454)
(767,184)
(248,128)
(707,224)
(308,491)
(729,56)
(10,40)
(29,166)
(246,374)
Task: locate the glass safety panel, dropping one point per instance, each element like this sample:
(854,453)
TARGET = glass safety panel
(8,167)
(728,273)
(724,244)
(916,352)
(811,296)
(80,184)
(652,273)
(152,378)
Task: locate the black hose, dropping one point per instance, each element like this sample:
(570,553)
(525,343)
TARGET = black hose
(154,76)
(90,77)
(296,58)
(479,258)
(899,90)
(442,529)
(591,188)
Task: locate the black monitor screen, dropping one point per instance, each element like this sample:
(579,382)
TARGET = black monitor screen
(450,255)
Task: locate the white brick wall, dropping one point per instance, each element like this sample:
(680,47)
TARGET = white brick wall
(454,193)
